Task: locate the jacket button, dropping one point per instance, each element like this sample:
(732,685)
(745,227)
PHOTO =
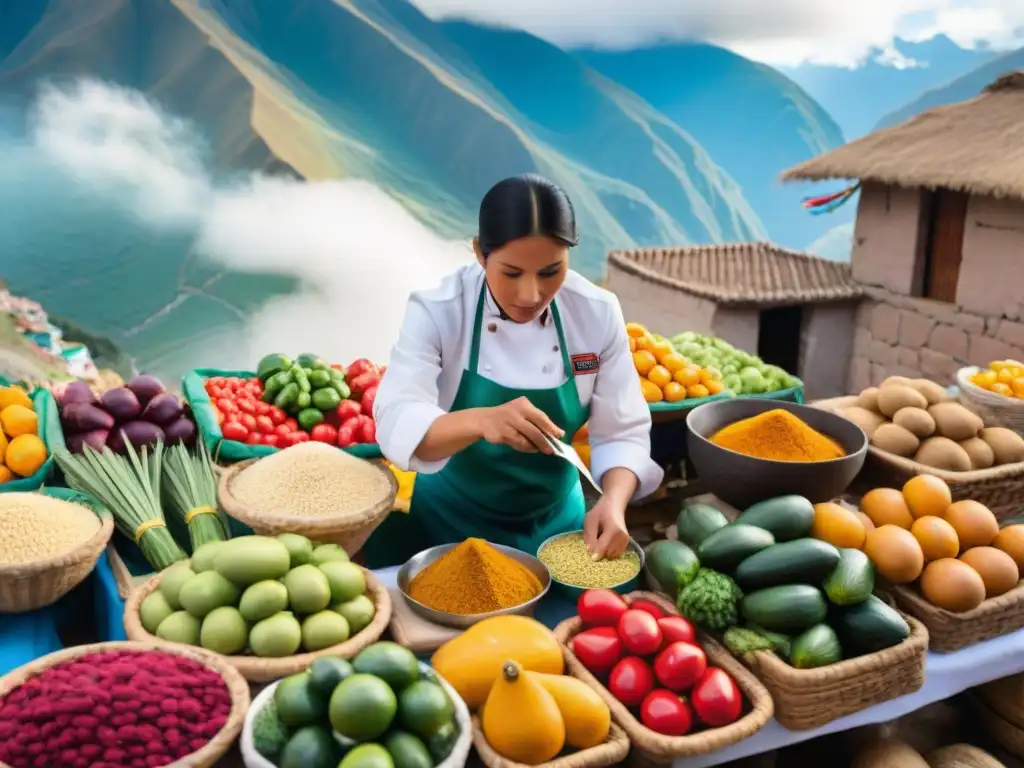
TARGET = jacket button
(493,328)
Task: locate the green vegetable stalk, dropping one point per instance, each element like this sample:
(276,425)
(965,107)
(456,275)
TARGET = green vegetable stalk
(711,600)
(191,493)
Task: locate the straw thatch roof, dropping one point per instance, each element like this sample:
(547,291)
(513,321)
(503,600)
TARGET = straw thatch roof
(741,273)
(975,146)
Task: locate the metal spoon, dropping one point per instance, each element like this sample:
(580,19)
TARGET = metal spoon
(568,453)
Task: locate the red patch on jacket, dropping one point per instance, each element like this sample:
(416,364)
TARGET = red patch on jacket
(585,364)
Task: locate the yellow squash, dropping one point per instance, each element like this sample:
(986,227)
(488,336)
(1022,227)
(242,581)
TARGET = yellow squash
(587,718)
(521,721)
(472,661)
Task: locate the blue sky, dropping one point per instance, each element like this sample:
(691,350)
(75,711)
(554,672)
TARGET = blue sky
(779,32)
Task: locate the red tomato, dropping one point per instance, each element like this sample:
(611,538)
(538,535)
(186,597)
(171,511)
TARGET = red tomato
(363,382)
(233,430)
(282,430)
(640,632)
(227,406)
(716,698)
(272,440)
(359,427)
(367,400)
(324,433)
(216,381)
(293,425)
(248,421)
(665,712)
(631,680)
(254,438)
(263,409)
(300,437)
(600,608)
(277,415)
(368,432)
(347,409)
(598,649)
(675,629)
(245,405)
(357,367)
(346,434)
(680,665)
(264,424)
(652,608)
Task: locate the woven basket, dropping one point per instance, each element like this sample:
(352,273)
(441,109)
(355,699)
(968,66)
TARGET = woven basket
(949,631)
(1005,697)
(29,586)
(1002,731)
(349,531)
(214,749)
(995,410)
(256,669)
(998,488)
(655,747)
(612,752)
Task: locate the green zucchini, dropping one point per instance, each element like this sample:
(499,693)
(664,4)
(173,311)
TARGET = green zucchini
(786,517)
(727,547)
(852,580)
(791,608)
(817,647)
(869,626)
(781,643)
(671,565)
(801,561)
(698,521)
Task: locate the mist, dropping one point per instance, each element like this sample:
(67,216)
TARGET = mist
(355,252)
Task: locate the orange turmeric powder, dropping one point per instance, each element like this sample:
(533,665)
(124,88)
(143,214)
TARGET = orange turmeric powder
(777,435)
(474,577)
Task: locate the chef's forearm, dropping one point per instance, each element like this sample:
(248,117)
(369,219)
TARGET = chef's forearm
(450,434)
(618,485)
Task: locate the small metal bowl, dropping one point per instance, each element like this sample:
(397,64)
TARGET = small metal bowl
(461,621)
(573,592)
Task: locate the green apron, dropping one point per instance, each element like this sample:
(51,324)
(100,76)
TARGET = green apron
(493,492)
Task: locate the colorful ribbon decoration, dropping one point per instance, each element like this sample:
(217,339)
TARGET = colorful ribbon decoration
(821,204)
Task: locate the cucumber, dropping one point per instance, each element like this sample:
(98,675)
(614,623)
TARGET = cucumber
(671,565)
(790,609)
(785,517)
(852,580)
(698,521)
(801,561)
(817,647)
(869,627)
(727,547)
(781,643)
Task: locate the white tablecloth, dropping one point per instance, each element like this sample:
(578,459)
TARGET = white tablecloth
(946,674)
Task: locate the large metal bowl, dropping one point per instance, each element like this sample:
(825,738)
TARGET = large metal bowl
(461,621)
(572,592)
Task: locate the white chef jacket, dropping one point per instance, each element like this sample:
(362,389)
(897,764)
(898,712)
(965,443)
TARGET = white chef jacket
(432,352)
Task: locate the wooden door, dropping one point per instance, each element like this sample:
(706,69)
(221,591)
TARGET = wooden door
(946,223)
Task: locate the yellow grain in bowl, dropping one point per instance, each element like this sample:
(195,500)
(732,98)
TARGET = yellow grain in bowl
(35,527)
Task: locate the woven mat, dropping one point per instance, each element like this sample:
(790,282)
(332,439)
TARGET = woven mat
(413,631)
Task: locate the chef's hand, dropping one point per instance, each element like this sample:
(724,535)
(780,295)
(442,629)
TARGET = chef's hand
(519,424)
(604,529)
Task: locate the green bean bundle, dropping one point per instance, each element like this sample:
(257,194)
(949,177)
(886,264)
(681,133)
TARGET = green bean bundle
(191,494)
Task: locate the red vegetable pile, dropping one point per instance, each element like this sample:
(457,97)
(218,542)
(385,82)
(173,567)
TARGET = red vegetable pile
(651,661)
(244,417)
(119,709)
(142,413)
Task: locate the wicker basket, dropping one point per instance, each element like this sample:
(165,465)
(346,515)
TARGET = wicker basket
(996,410)
(809,698)
(1005,697)
(612,752)
(214,749)
(349,531)
(256,669)
(655,747)
(998,488)
(949,631)
(29,586)
(1002,731)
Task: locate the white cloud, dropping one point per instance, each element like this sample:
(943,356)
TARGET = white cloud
(357,252)
(782,32)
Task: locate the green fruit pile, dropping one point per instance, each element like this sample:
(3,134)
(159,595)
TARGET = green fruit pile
(266,596)
(382,710)
(307,388)
(743,373)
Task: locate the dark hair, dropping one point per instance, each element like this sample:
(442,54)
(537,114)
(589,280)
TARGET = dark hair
(522,206)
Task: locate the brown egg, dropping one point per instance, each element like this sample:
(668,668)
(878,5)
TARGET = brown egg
(974,523)
(996,568)
(952,585)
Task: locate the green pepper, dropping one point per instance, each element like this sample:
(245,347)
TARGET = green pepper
(337,375)
(275,384)
(285,399)
(309,360)
(326,399)
(270,365)
(309,418)
(300,377)
(319,379)
(341,388)
(303,400)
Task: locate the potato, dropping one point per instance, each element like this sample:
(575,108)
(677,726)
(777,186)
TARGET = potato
(868,399)
(892,397)
(917,421)
(1007,446)
(982,456)
(895,439)
(954,421)
(932,392)
(867,420)
(943,453)
(902,380)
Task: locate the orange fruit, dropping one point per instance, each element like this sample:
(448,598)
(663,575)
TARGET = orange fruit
(866,522)
(936,537)
(999,388)
(1011,541)
(652,392)
(984,379)
(643,361)
(709,374)
(1017,385)
(697,390)
(688,376)
(927,495)
(643,342)
(632,344)
(996,568)
(895,553)
(659,375)
(18,420)
(635,330)
(953,585)
(673,361)
(674,392)
(886,506)
(662,349)
(25,454)
(14,396)
(837,525)
(714,387)
(5,474)
(974,523)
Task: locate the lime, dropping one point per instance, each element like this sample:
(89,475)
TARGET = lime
(408,751)
(298,702)
(395,665)
(367,756)
(358,611)
(424,707)
(326,672)
(346,580)
(362,707)
(310,747)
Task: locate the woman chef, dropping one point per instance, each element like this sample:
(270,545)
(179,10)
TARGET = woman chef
(503,351)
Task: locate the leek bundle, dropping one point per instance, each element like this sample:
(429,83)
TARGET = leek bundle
(191,491)
(130,489)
